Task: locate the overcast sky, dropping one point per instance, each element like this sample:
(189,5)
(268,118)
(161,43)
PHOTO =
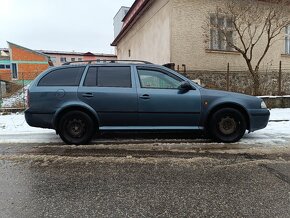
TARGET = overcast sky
(62,25)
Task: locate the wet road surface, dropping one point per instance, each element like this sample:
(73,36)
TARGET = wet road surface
(168,178)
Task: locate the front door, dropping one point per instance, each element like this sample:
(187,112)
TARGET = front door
(162,104)
(109,90)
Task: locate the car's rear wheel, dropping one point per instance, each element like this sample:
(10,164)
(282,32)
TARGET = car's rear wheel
(227,125)
(76,127)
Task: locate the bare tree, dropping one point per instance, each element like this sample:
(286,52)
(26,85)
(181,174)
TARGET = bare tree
(241,25)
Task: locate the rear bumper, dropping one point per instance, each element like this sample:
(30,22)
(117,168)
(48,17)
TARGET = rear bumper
(39,120)
(259,119)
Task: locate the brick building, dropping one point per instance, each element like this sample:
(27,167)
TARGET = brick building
(20,63)
(26,64)
(60,57)
(5,65)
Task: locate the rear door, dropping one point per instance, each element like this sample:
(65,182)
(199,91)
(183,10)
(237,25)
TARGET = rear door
(111,92)
(162,104)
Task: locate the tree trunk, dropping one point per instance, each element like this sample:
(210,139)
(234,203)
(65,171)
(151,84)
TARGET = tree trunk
(256,78)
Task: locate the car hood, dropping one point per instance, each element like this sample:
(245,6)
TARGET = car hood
(219,93)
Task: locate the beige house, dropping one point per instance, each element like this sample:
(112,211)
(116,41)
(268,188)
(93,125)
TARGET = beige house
(173,31)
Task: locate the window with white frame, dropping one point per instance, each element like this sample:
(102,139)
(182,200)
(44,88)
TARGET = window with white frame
(287,40)
(221,32)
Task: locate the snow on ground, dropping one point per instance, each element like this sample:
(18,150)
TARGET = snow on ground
(16,124)
(16,99)
(13,128)
(277,132)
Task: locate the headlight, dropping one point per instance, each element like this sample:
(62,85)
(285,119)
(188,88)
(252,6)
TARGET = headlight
(263,105)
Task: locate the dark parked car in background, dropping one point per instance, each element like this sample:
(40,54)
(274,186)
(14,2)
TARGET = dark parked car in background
(80,99)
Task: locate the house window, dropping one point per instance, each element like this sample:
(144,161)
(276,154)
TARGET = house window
(14,71)
(287,40)
(80,59)
(129,53)
(53,59)
(73,59)
(4,66)
(221,33)
(62,59)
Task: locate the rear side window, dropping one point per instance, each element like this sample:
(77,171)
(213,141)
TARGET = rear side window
(63,77)
(109,77)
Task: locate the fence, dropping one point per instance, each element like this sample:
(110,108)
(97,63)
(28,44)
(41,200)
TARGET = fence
(275,81)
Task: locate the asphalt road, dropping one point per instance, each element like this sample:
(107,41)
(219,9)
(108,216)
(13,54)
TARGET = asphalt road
(105,181)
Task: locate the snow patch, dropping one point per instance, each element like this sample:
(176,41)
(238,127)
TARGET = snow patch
(16,99)
(275,134)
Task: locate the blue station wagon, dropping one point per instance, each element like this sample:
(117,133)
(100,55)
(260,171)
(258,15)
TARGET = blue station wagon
(79,99)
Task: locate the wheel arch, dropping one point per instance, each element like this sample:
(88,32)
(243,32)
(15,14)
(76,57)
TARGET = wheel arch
(228,105)
(69,108)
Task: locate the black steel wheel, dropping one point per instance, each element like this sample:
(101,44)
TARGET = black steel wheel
(76,127)
(227,125)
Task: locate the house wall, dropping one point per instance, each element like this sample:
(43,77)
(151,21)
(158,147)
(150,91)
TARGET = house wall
(189,46)
(56,58)
(99,57)
(149,38)
(29,63)
(57,62)
(5,74)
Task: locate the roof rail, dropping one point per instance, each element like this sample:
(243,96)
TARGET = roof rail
(108,61)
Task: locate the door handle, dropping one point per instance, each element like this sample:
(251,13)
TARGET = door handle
(145,96)
(88,95)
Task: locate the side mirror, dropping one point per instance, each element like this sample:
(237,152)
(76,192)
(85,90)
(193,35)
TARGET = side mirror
(185,86)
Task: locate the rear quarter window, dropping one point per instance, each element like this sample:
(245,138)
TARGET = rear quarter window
(62,77)
(109,77)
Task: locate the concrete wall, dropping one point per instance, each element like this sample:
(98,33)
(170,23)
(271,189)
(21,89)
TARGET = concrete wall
(188,40)
(277,101)
(149,38)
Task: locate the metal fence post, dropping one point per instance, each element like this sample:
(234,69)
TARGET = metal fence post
(280,79)
(23,90)
(228,77)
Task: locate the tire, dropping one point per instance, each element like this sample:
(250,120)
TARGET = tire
(227,125)
(76,127)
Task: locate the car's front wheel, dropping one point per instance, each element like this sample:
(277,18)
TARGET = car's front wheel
(227,125)
(76,127)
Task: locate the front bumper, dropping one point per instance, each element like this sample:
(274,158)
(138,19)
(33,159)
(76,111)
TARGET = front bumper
(259,119)
(39,120)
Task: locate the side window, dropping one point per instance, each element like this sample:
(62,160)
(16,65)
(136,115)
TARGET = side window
(63,77)
(154,79)
(109,77)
